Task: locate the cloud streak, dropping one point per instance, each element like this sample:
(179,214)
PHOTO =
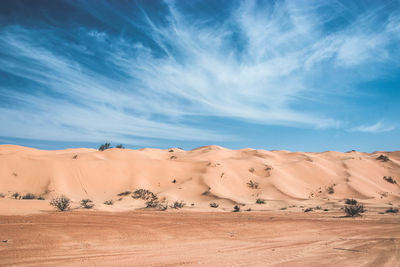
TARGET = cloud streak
(254,66)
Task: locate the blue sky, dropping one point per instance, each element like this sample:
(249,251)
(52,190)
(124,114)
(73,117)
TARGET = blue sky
(295,75)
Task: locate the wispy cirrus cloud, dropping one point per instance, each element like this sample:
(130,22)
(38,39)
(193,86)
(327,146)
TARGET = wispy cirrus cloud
(253,66)
(378,127)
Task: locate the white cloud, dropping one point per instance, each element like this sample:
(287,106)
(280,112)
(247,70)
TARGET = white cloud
(378,127)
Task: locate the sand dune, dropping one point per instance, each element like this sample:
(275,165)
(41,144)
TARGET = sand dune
(203,175)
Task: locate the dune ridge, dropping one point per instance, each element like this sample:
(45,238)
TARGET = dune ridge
(203,175)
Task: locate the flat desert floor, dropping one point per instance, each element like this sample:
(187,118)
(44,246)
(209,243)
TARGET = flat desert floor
(155,238)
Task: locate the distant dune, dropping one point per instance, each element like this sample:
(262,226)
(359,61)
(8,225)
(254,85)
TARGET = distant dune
(197,177)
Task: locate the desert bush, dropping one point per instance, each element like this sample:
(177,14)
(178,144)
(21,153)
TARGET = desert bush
(353,210)
(104,146)
(144,194)
(2,195)
(125,193)
(260,201)
(389,179)
(15,195)
(121,146)
(326,209)
(249,209)
(40,198)
(87,203)
(174,181)
(383,158)
(308,210)
(253,185)
(108,202)
(392,210)
(330,190)
(163,206)
(62,203)
(214,205)
(251,170)
(178,205)
(236,208)
(29,196)
(75,157)
(351,201)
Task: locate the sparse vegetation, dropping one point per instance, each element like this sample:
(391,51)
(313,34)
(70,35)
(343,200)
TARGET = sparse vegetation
(389,179)
(2,195)
(109,202)
(121,146)
(383,158)
(214,205)
(40,198)
(105,146)
(125,193)
(330,190)
(251,170)
(236,208)
(144,194)
(326,209)
(178,205)
(354,210)
(253,185)
(16,195)
(172,157)
(249,209)
(392,210)
(174,181)
(75,157)
(29,196)
(62,203)
(260,201)
(308,210)
(351,201)
(87,203)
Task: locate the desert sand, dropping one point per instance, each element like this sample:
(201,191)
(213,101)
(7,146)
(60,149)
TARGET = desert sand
(127,233)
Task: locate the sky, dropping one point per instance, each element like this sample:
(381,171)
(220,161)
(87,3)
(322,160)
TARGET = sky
(286,75)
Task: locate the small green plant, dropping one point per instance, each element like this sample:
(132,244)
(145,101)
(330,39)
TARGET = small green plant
(236,208)
(330,190)
(105,146)
(108,202)
(351,201)
(144,194)
(178,205)
(392,210)
(389,179)
(214,205)
(383,158)
(29,196)
(125,193)
(120,146)
(260,201)
(353,210)
(87,203)
(253,185)
(62,203)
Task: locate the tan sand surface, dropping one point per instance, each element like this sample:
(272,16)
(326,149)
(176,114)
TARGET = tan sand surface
(156,238)
(278,232)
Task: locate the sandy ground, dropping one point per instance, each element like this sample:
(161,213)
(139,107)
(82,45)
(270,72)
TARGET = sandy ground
(126,233)
(144,238)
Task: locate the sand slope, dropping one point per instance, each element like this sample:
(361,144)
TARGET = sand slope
(203,175)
